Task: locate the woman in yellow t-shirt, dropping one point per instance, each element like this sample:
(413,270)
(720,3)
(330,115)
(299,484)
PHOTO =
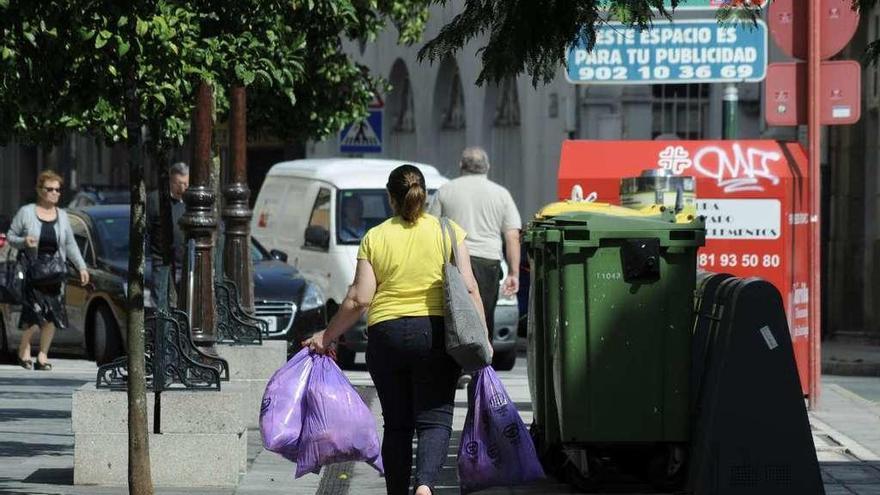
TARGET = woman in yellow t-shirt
(399,278)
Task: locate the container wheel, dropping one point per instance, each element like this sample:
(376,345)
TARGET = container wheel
(581,470)
(666,467)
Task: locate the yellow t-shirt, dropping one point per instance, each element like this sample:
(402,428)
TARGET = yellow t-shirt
(408,262)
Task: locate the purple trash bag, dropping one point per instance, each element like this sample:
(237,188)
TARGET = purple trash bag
(281,413)
(337,424)
(496,448)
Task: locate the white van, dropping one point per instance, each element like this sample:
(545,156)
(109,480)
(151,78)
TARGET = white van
(299,211)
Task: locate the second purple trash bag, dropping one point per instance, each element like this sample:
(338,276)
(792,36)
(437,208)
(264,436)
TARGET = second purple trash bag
(496,448)
(337,424)
(281,413)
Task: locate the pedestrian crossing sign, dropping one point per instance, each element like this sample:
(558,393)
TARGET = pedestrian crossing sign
(364,136)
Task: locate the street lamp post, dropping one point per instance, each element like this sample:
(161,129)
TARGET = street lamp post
(237,214)
(200,224)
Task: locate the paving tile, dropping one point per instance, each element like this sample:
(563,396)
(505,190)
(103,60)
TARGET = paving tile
(873,489)
(853,473)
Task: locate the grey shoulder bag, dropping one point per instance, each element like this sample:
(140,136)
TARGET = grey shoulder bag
(467,339)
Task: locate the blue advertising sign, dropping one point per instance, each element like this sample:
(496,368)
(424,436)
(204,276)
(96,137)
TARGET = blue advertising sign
(364,136)
(694,51)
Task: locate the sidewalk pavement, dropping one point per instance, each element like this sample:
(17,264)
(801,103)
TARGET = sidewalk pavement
(36,442)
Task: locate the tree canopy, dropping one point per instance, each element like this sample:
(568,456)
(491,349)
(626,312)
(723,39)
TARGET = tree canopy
(66,66)
(531,36)
(334,90)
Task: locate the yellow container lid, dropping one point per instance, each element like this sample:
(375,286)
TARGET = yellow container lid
(568,206)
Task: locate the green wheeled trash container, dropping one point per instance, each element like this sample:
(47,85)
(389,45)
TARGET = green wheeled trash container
(610,329)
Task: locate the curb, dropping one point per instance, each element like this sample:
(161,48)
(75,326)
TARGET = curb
(850,368)
(851,446)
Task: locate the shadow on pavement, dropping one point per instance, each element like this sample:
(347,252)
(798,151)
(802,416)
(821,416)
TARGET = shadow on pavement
(51,476)
(22,449)
(520,406)
(4,396)
(18,381)
(26,414)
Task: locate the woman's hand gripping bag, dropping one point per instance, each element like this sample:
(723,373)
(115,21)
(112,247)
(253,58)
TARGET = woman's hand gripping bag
(281,412)
(496,448)
(337,426)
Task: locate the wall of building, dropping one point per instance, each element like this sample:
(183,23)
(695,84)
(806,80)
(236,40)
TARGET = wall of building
(852,251)
(423,123)
(434,111)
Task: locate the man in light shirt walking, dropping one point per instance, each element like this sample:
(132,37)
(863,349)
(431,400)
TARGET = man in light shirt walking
(486,211)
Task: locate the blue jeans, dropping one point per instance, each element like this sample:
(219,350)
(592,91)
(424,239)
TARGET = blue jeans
(415,381)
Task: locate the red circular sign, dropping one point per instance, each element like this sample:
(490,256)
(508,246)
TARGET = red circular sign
(788,25)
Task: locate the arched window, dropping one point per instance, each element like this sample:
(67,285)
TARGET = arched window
(507,105)
(400,100)
(453,116)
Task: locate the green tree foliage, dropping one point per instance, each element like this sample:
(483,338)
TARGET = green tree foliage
(531,36)
(68,67)
(333,90)
(65,66)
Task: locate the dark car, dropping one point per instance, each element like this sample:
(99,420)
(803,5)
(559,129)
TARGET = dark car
(96,312)
(292,307)
(100,195)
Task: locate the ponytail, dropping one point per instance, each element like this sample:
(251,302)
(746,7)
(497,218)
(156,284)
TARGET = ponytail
(414,203)
(406,186)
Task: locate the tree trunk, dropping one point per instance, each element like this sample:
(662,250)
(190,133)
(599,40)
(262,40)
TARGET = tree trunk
(140,481)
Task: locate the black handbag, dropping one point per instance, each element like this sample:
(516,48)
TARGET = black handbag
(12,288)
(46,270)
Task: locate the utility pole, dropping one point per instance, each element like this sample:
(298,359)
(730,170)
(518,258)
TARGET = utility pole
(814,96)
(730,127)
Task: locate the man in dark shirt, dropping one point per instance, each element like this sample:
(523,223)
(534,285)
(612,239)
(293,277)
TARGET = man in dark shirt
(178,182)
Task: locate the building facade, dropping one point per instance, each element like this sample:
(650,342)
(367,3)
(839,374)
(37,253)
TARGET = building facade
(433,111)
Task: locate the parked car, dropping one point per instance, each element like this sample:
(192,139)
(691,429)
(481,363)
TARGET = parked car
(100,195)
(292,307)
(299,209)
(96,312)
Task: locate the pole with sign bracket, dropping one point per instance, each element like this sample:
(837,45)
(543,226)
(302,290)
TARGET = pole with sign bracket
(814,91)
(730,128)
